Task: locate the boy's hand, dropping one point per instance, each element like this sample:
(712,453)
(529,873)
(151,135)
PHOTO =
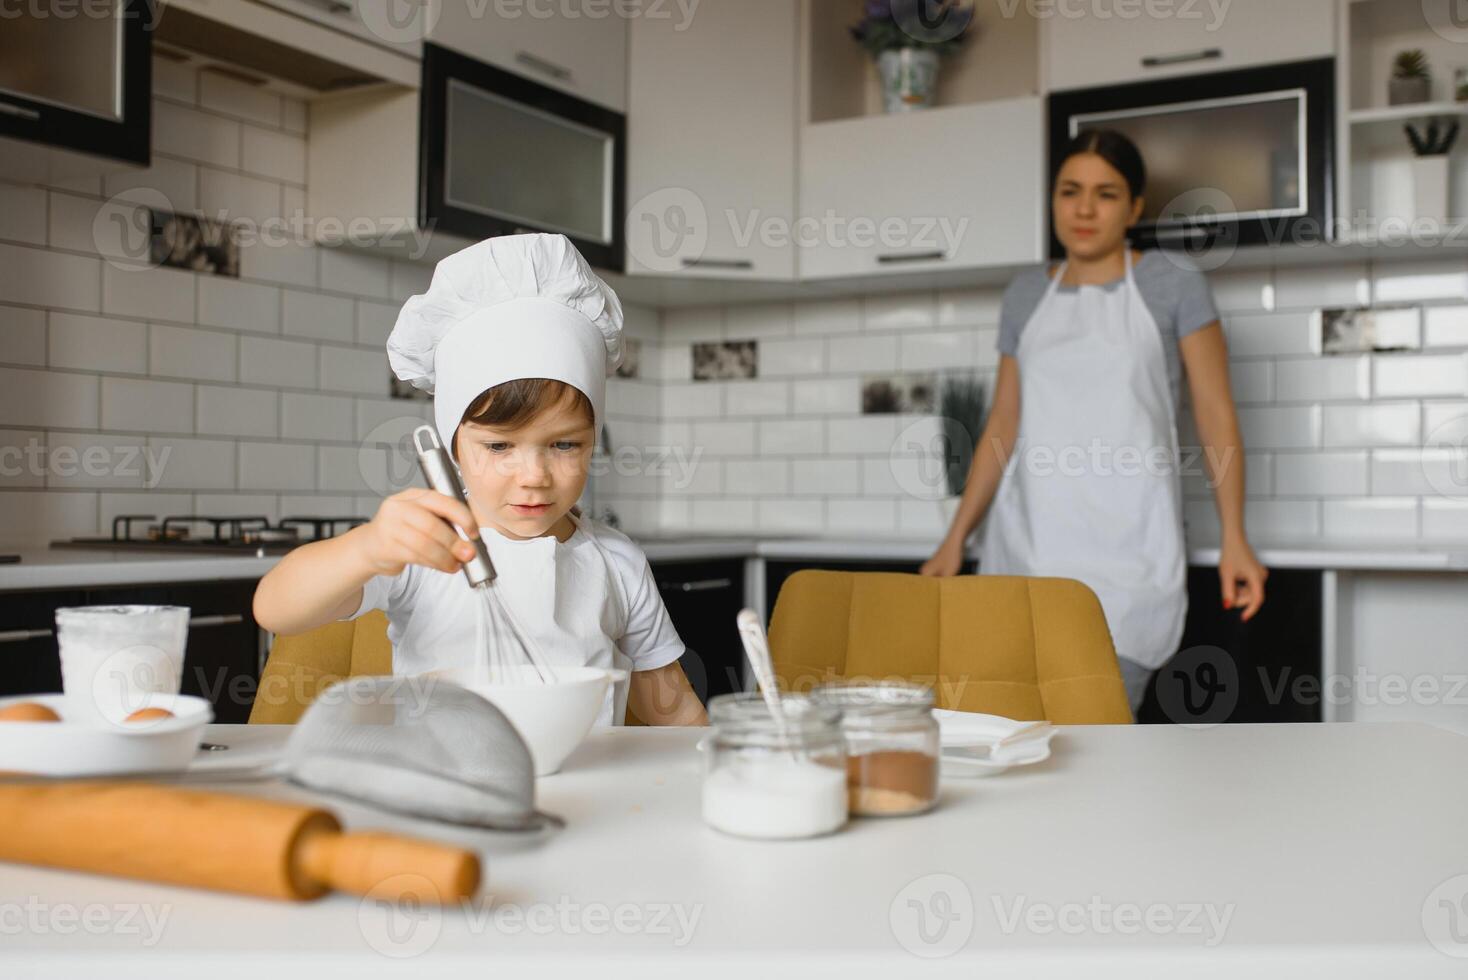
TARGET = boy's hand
(413,528)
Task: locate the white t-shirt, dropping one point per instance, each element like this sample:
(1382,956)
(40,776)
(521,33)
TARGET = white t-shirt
(588,600)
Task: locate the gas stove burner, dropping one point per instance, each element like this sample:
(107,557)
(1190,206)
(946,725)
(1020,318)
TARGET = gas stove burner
(213,535)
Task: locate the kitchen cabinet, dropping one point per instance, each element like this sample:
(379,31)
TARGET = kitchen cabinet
(1105,44)
(221,658)
(703,598)
(949,188)
(574,46)
(1228,671)
(76,92)
(711,141)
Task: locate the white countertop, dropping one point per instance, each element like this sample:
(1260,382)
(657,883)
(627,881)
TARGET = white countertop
(64,568)
(1322,848)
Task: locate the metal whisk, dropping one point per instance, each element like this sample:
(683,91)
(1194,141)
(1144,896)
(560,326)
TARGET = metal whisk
(505,642)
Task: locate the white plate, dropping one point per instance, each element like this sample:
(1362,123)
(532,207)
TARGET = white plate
(70,749)
(975,762)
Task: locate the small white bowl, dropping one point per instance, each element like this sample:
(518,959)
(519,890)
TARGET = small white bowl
(552,717)
(72,748)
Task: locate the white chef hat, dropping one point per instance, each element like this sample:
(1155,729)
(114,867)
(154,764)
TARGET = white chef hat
(517,306)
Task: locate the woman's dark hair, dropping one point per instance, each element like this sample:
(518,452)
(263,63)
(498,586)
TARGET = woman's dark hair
(1115,149)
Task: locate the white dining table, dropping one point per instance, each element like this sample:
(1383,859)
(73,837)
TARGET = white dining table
(1329,850)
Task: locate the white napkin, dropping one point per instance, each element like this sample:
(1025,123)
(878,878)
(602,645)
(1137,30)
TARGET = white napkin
(962,729)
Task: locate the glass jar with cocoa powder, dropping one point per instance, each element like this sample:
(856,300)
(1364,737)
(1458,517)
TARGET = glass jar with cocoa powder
(891,746)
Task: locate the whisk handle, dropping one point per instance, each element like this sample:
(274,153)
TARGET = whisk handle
(442,475)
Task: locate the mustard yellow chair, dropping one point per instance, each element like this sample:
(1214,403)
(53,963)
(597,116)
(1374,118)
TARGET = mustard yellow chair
(301,667)
(1026,648)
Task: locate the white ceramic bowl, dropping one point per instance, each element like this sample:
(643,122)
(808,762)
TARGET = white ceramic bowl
(72,748)
(552,718)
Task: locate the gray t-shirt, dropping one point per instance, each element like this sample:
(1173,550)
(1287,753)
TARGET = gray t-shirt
(1174,290)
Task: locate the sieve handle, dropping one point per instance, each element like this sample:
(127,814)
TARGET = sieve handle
(442,475)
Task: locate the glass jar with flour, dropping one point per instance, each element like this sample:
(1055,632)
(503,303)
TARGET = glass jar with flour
(774,777)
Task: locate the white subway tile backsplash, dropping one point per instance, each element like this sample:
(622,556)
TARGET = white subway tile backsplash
(375,321)
(277,466)
(232,97)
(409,278)
(1320,474)
(188,352)
(758,320)
(633,398)
(275,154)
(191,464)
(23,214)
(110,229)
(924,518)
(318,315)
(693,323)
(175,80)
(1252,381)
(346,271)
(787,515)
(22,336)
(938,351)
(877,517)
(225,302)
(1315,286)
(1281,428)
(316,417)
(831,396)
(76,460)
(222,411)
(148,293)
(667,362)
(789,358)
(1321,379)
(147,406)
(1446,326)
(293,115)
(279,259)
(969,307)
(1411,376)
(1420,472)
(282,363)
(754,397)
(1270,335)
(723,514)
(724,438)
(176,180)
(696,399)
(701,477)
(388,418)
(34,518)
(360,371)
(1281,520)
(36,277)
(757,477)
(195,135)
(22,458)
(1444,520)
(1408,282)
(1243,291)
(826,477)
(1372,425)
(837,316)
(860,355)
(792,437)
(52,399)
(1444,424)
(865,434)
(1392,520)
(903,311)
(347,469)
(230,197)
(90,343)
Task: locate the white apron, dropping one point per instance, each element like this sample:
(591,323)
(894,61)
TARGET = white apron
(567,595)
(1091,491)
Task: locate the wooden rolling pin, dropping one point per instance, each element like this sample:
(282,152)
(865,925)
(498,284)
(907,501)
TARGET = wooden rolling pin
(223,842)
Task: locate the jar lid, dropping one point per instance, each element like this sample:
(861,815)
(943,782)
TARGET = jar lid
(746,711)
(868,703)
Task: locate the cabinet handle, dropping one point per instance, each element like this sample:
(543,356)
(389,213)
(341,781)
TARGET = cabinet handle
(19,636)
(697,585)
(333,6)
(229,619)
(717,264)
(896,257)
(10,109)
(1163,60)
(541,65)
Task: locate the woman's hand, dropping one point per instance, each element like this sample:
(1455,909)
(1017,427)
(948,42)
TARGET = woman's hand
(946,562)
(1241,577)
(413,528)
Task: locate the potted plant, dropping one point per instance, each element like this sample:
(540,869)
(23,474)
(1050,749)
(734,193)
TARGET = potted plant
(961,405)
(1430,167)
(906,38)
(1411,82)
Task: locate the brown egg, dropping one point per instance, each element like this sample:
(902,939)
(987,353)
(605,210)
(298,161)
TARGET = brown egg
(149,714)
(28,711)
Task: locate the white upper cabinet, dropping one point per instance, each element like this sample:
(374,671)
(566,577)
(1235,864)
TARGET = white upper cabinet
(575,46)
(711,142)
(948,188)
(1095,44)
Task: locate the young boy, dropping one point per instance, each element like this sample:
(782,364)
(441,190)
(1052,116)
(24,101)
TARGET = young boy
(515,337)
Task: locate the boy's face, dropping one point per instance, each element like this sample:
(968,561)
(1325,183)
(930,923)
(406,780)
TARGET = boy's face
(523,481)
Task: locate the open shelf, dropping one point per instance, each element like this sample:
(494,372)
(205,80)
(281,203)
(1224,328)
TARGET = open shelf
(1000,61)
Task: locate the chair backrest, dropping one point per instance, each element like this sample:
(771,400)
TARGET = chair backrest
(1026,648)
(302,666)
